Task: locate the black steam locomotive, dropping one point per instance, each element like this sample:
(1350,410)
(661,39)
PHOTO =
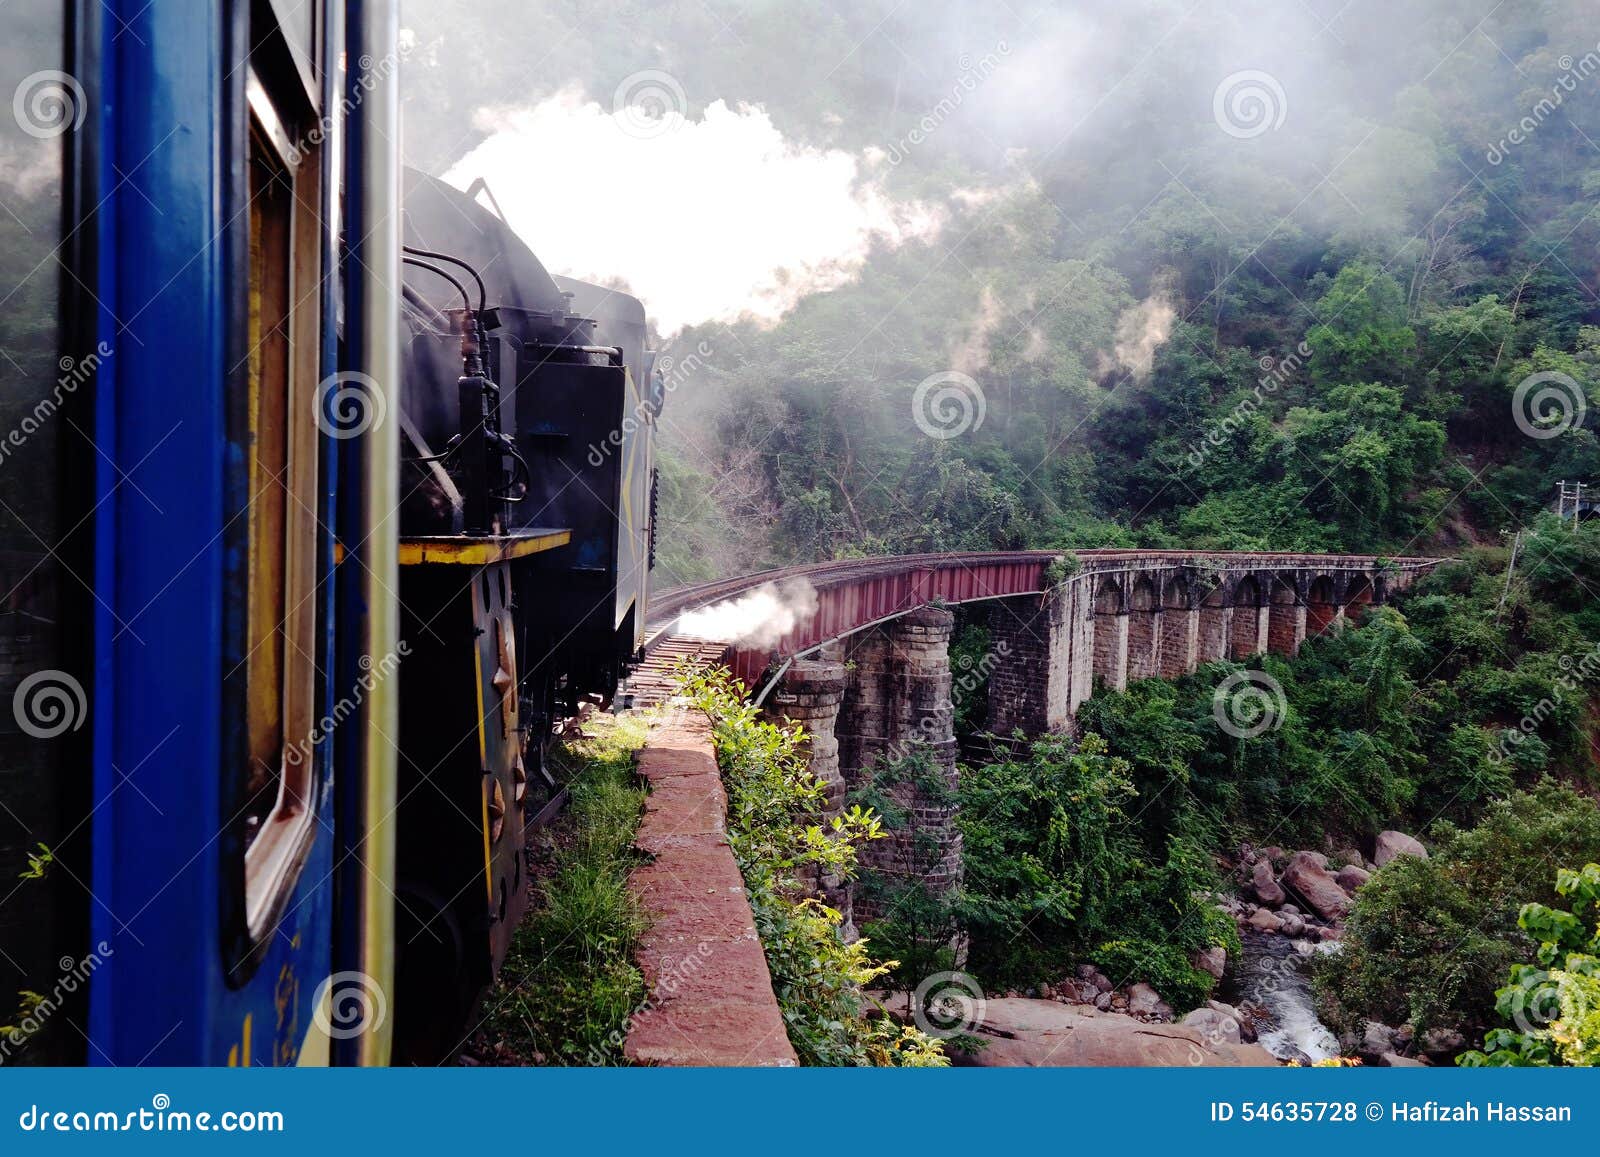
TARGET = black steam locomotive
(528,490)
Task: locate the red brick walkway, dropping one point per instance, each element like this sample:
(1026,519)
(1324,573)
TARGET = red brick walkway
(711,1000)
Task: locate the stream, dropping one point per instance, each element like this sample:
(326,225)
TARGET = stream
(1275,979)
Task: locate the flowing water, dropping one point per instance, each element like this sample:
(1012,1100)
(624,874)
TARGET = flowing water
(1276,980)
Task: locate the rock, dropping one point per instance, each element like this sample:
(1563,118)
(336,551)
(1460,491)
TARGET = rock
(1288,910)
(1036,1033)
(1265,887)
(1143,1000)
(1396,1061)
(1119,1002)
(1392,844)
(1403,1037)
(1347,855)
(1351,877)
(1310,880)
(1247,1031)
(1438,1042)
(1046,992)
(1213,960)
(1095,977)
(1213,1025)
(1376,1039)
(1102,1001)
(1271,852)
(1305,947)
(1292,926)
(1264,921)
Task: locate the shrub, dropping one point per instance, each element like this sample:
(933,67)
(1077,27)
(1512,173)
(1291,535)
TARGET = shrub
(1429,939)
(1554,1005)
(776,831)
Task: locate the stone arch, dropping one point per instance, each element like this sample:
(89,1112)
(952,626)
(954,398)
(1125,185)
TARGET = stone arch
(1245,635)
(1322,605)
(1286,622)
(1216,621)
(1110,622)
(1178,625)
(1108,596)
(1359,597)
(1144,629)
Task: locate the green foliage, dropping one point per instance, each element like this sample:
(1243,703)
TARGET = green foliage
(920,924)
(1553,1006)
(569,984)
(1058,871)
(777,833)
(1429,939)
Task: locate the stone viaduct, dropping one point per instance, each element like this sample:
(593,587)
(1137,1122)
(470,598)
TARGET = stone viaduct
(869,675)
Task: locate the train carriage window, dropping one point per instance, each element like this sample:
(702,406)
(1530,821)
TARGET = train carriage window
(279,524)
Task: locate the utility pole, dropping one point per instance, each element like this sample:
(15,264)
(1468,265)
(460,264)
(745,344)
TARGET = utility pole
(1572,492)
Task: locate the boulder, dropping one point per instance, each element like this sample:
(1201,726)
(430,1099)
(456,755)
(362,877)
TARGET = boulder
(1376,1039)
(1214,1026)
(1102,1001)
(1264,921)
(1291,925)
(1351,877)
(1438,1042)
(1095,977)
(1213,960)
(1144,1000)
(1247,1031)
(1028,1033)
(1396,1061)
(1265,887)
(1311,881)
(1392,844)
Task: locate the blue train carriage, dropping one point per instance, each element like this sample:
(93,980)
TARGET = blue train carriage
(323,513)
(203,875)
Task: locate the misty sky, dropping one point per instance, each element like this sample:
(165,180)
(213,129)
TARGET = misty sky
(727,157)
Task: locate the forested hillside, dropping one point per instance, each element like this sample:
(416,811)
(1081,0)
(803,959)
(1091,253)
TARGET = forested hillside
(1292,314)
(1309,277)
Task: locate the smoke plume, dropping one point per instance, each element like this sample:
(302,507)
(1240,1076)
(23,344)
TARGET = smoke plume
(757,619)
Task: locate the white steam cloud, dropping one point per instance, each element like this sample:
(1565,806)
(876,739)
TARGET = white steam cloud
(1142,330)
(757,619)
(706,219)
